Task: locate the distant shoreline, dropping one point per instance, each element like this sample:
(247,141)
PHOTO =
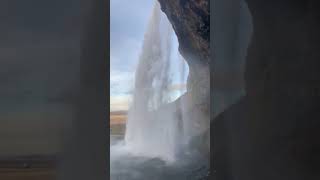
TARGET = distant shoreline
(123,112)
(118,120)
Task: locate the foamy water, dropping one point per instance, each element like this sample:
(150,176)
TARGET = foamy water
(154,145)
(152,131)
(127,166)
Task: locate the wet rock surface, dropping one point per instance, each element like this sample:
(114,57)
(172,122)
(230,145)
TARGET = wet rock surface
(190,21)
(273,132)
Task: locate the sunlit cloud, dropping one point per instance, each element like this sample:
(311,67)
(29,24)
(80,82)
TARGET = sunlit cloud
(120,102)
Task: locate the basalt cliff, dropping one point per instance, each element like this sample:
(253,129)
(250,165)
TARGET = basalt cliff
(190,20)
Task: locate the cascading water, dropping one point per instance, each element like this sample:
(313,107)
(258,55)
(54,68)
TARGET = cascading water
(159,127)
(152,129)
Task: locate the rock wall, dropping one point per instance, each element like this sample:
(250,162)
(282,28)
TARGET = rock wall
(272,132)
(191,22)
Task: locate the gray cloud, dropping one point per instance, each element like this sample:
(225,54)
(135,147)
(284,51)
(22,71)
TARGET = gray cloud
(127,26)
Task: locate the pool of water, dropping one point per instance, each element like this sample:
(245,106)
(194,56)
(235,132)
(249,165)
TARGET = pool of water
(124,166)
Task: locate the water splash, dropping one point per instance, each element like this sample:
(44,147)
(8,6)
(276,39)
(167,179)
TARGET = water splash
(152,128)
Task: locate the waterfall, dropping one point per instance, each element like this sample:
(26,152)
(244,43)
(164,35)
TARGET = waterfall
(152,127)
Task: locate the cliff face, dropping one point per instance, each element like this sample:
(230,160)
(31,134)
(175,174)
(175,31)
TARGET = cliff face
(275,127)
(191,22)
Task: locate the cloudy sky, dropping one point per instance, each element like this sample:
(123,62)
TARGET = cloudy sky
(128,24)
